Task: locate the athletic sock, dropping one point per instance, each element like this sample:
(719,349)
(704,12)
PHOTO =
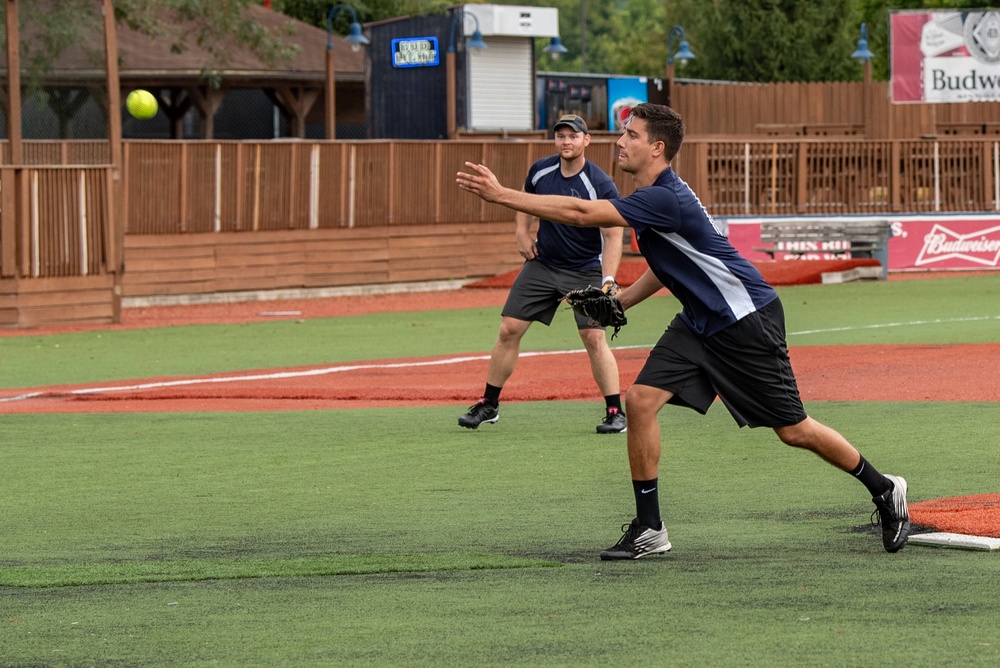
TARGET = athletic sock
(613,401)
(492,395)
(876,483)
(647,503)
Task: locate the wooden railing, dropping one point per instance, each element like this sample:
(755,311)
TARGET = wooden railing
(801,177)
(175,187)
(62,232)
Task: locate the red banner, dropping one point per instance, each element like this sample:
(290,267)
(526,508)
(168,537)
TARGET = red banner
(945,243)
(927,243)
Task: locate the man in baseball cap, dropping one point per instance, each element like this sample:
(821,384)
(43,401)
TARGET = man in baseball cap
(573,121)
(558,258)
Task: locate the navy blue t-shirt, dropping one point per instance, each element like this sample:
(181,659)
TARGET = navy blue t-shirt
(714,283)
(566,246)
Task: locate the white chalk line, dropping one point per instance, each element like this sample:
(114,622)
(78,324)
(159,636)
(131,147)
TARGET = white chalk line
(273,376)
(408,365)
(937,321)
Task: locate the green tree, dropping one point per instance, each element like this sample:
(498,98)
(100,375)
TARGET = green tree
(625,36)
(605,36)
(58,25)
(212,24)
(315,12)
(640,43)
(768,40)
(736,40)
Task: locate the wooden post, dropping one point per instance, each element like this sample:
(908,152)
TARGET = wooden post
(184,177)
(774,177)
(331,96)
(437,183)
(896,175)
(450,101)
(10,178)
(802,176)
(14,83)
(392,182)
(866,99)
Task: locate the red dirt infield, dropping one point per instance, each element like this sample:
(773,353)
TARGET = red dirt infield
(977,514)
(843,373)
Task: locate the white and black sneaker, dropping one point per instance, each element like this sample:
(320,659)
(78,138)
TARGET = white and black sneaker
(891,512)
(638,541)
(614,423)
(479,413)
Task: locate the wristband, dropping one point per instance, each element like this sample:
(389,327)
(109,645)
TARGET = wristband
(608,278)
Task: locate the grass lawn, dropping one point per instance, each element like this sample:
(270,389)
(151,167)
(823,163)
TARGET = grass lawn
(391,537)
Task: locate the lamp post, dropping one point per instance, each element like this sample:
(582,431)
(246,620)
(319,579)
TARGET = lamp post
(554,48)
(356,40)
(449,62)
(863,54)
(684,54)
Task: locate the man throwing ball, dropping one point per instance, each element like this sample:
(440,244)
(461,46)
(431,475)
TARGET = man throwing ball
(728,341)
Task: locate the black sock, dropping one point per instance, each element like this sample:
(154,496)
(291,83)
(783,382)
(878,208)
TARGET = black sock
(613,401)
(492,395)
(647,503)
(876,483)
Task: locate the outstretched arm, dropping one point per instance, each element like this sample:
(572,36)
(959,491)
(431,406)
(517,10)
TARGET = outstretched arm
(479,180)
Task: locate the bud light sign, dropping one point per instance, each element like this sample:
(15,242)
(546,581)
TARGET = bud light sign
(415,52)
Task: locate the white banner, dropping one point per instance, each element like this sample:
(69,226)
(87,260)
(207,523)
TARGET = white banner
(945,56)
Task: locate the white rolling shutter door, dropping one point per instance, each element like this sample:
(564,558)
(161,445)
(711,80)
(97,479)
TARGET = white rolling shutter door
(501,86)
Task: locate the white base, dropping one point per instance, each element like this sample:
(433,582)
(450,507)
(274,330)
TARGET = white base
(856,274)
(955,540)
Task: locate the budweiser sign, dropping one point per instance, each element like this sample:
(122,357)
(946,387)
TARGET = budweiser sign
(981,247)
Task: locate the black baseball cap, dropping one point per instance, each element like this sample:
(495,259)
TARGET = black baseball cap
(573,121)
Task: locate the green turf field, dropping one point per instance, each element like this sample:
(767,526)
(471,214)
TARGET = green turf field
(391,537)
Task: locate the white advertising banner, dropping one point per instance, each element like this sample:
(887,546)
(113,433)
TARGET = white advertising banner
(945,56)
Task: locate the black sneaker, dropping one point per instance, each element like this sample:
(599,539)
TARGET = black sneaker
(638,541)
(892,514)
(479,413)
(614,423)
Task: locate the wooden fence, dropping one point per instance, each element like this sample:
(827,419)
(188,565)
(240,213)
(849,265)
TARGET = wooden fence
(213,216)
(820,109)
(57,255)
(179,187)
(206,216)
(173,187)
(843,176)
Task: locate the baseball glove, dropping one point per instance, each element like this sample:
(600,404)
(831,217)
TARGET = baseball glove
(598,305)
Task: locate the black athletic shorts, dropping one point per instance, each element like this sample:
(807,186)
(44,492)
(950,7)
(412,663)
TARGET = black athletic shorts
(746,365)
(538,291)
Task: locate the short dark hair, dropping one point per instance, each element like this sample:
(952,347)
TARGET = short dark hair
(662,124)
